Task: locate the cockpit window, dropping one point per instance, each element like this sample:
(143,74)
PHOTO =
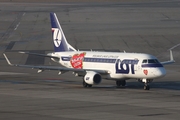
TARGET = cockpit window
(150,61)
(144,61)
(153,61)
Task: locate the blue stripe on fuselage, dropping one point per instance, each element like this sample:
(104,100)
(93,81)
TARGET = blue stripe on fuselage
(152,65)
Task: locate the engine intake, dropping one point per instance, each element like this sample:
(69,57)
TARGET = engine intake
(92,78)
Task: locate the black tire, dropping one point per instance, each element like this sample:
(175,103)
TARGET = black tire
(123,83)
(146,87)
(85,84)
(118,83)
(89,85)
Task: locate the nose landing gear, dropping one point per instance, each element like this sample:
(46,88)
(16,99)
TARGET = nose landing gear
(146,86)
(146,83)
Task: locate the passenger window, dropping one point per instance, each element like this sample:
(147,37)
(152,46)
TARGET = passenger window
(87,59)
(84,59)
(91,59)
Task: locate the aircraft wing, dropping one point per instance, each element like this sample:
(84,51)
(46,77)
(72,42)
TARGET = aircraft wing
(43,55)
(171,59)
(61,69)
(167,62)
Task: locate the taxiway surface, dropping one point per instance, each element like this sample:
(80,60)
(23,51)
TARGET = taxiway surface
(148,27)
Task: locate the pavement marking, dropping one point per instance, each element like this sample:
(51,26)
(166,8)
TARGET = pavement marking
(12,73)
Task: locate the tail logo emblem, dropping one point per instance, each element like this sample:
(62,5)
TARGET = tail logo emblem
(57,36)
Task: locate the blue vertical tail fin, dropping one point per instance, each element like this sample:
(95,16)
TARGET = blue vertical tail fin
(59,39)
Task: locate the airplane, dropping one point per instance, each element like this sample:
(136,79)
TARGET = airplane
(94,66)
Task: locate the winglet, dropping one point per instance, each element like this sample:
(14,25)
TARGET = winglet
(171,56)
(7,59)
(171,59)
(22,52)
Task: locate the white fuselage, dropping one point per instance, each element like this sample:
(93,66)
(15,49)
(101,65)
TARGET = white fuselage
(119,65)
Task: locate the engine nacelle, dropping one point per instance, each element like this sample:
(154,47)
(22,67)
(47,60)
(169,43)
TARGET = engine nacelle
(92,78)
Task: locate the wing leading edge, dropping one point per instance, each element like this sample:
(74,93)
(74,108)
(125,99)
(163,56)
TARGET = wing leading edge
(37,54)
(61,69)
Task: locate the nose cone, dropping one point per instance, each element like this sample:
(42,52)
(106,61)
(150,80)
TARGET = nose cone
(160,72)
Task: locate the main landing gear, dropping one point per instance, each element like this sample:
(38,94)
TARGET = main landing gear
(86,85)
(121,83)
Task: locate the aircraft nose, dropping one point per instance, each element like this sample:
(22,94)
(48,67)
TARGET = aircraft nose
(160,72)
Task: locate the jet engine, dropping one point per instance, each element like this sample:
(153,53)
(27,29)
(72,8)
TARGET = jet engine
(92,78)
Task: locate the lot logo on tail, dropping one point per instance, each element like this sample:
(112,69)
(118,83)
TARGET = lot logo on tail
(57,37)
(77,60)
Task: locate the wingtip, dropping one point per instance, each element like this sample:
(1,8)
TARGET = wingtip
(171,55)
(7,59)
(22,52)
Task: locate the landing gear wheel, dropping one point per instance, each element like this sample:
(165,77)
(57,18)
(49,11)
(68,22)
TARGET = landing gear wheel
(146,87)
(146,83)
(86,85)
(118,83)
(123,83)
(89,85)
